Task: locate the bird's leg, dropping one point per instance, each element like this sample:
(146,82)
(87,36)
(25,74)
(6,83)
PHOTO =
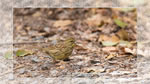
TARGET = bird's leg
(54,61)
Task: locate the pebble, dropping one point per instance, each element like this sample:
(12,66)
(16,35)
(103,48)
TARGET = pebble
(22,70)
(35,59)
(47,29)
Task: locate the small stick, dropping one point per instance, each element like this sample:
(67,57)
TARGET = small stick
(18,43)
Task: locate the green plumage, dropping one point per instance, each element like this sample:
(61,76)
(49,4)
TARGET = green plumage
(61,50)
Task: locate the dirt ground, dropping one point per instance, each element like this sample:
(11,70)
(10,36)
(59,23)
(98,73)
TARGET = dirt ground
(106,46)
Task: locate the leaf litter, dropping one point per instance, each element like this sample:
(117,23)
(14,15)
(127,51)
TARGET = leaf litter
(104,44)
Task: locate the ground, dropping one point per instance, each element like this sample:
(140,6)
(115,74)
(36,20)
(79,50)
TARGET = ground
(98,35)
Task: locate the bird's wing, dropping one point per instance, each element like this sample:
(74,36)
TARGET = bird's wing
(54,52)
(61,46)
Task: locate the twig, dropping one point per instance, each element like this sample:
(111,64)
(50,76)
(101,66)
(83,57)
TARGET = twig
(18,43)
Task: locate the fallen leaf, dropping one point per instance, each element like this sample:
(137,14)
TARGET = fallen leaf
(103,38)
(95,20)
(61,67)
(123,34)
(110,49)
(111,56)
(128,50)
(80,47)
(109,43)
(120,23)
(95,69)
(110,70)
(125,43)
(133,42)
(23,52)
(126,9)
(62,23)
(114,38)
(8,55)
(37,14)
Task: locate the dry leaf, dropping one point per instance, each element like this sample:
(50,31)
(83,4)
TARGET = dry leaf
(125,43)
(95,69)
(61,67)
(80,47)
(123,34)
(111,56)
(110,49)
(109,41)
(126,9)
(62,23)
(37,14)
(114,38)
(95,20)
(110,70)
(128,50)
(103,38)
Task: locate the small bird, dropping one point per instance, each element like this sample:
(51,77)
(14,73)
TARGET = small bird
(62,50)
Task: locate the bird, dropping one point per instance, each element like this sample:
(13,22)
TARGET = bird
(61,50)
